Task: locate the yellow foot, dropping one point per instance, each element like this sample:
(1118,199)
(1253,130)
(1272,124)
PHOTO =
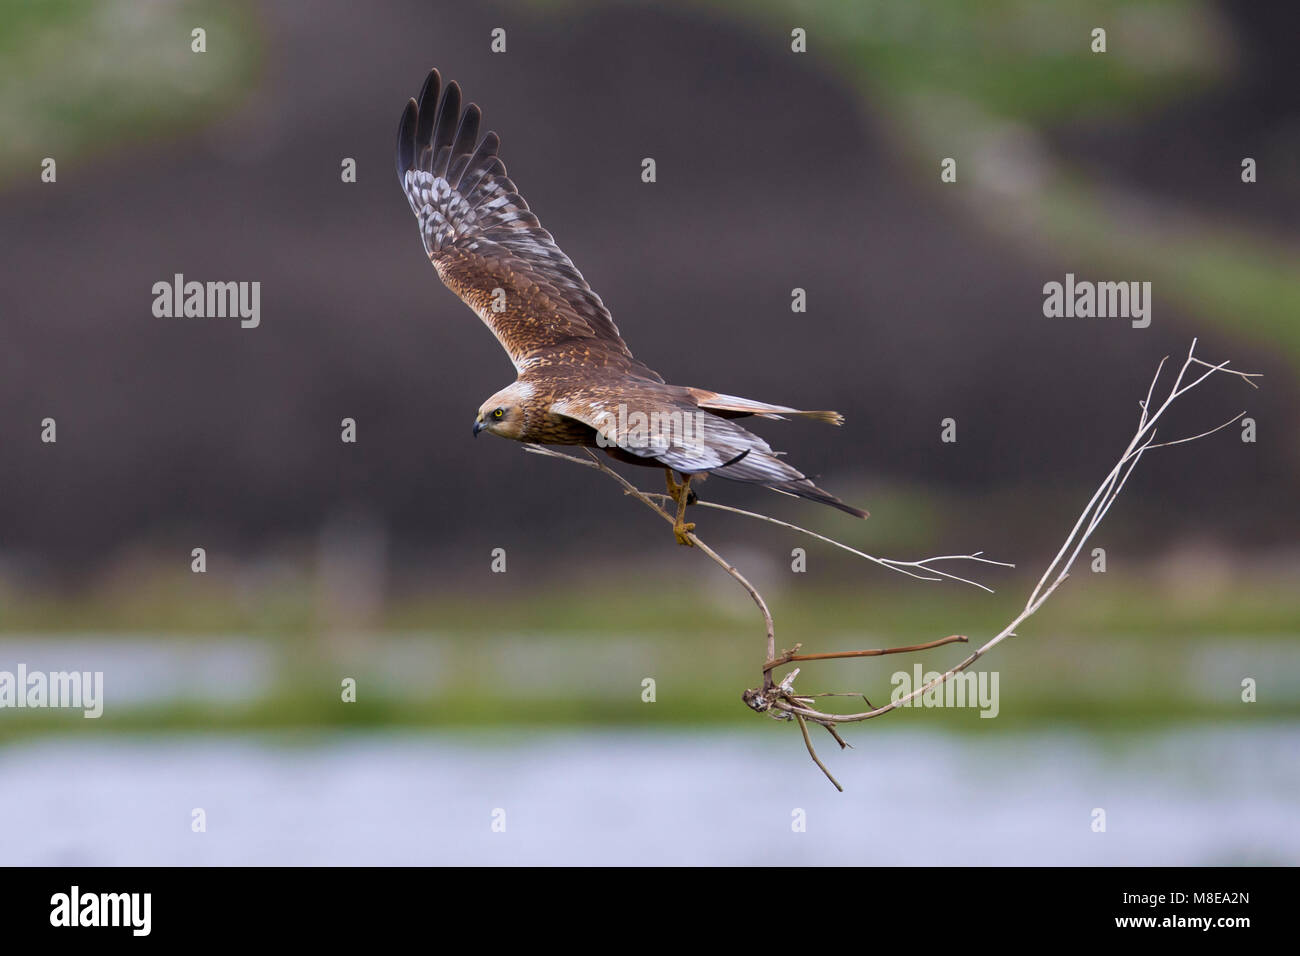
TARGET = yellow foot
(682,496)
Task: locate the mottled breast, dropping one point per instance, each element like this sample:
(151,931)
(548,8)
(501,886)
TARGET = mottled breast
(549,429)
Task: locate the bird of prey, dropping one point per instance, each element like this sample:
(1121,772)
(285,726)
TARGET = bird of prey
(577,382)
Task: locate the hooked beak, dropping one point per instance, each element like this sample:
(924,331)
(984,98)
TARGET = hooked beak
(479,425)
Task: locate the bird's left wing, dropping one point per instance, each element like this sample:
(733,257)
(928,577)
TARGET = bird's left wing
(652,420)
(489,248)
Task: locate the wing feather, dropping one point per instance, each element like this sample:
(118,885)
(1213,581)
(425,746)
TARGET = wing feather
(490,249)
(653,420)
(427,111)
(406,139)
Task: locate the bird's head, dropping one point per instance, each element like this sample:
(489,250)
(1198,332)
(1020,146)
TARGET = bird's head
(504,413)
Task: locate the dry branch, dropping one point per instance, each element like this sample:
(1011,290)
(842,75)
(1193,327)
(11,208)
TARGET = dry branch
(779,699)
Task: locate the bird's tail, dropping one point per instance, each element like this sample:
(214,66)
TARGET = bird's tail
(731,406)
(765,468)
(804,488)
(730,450)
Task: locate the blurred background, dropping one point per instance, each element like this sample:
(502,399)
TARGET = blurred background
(522,690)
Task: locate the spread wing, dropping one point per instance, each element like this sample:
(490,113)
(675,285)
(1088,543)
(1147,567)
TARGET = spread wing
(489,248)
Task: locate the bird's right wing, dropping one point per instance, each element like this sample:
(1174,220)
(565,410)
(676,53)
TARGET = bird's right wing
(490,249)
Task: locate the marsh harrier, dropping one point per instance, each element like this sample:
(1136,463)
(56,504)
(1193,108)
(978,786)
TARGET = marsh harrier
(577,382)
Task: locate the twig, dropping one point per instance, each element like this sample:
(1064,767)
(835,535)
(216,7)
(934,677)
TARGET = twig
(803,728)
(779,700)
(893,564)
(790,656)
(1058,571)
(631,489)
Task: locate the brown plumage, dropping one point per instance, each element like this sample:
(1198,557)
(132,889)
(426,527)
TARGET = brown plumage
(577,381)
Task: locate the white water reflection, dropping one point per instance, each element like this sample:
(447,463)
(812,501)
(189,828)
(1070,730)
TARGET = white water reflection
(696,797)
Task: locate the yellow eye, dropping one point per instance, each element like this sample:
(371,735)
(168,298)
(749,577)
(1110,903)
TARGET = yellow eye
(498,413)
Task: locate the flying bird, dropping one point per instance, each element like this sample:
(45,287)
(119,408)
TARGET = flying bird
(577,381)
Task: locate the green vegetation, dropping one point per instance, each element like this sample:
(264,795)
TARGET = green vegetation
(1019,59)
(1106,653)
(79,75)
(187,604)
